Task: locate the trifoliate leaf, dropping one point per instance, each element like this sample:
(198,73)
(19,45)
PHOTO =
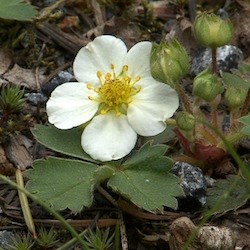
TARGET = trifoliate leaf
(145,180)
(17,10)
(231,194)
(67,142)
(62,183)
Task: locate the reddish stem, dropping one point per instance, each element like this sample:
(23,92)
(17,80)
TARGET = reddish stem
(214,61)
(183,141)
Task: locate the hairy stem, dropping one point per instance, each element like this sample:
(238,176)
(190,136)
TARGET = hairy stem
(184,98)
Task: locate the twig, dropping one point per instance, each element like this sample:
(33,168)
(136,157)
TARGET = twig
(124,239)
(38,85)
(107,196)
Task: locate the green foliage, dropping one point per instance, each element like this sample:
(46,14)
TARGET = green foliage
(232,192)
(67,142)
(11,99)
(62,183)
(47,238)
(16,10)
(145,180)
(246,121)
(99,240)
(234,80)
(22,242)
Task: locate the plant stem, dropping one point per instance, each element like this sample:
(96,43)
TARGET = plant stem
(214,67)
(232,139)
(184,98)
(25,204)
(214,103)
(214,106)
(48,208)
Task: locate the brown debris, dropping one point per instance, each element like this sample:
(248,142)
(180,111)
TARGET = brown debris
(207,237)
(69,42)
(23,77)
(6,168)
(17,151)
(5,61)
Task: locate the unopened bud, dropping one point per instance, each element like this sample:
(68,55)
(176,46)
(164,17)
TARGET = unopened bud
(207,86)
(169,62)
(235,96)
(212,31)
(185,121)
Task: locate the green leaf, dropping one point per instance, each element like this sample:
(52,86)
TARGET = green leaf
(244,68)
(62,183)
(146,181)
(234,80)
(103,173)
(148,152)
(164,137)
(231,198)
(67,142)
(17,10)
(246,121)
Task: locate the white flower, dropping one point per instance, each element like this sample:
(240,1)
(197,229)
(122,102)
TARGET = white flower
(116,95)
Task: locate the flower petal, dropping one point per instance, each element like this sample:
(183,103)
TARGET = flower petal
(138,60)
(151,107)
(108,137)
(98,55)
(69,105)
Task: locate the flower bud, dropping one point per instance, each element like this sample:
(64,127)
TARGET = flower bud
(212,31)
(207,86)
(235,96)
(169,62)
(185,121)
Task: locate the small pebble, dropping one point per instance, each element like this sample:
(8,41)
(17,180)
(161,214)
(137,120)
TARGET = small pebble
(193,181)
(228,57)
(62,77)
(6,239)
(36,98)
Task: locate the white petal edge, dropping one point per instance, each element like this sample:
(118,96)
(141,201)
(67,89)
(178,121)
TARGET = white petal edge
(98,55)
(150,108)
(108,137)
(138,60)
(69,105)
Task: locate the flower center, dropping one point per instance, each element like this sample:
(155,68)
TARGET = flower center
(115,92)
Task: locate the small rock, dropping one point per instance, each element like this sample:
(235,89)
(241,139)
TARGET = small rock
(228,57)
(193,181)
(6,239)
(62,77)
(36,98)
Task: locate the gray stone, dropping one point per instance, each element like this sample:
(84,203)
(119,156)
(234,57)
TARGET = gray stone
(6,239)
(228,57)
(193,181)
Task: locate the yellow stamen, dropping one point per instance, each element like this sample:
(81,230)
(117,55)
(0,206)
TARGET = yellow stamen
(89,86)
(99,74)
(115,92)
